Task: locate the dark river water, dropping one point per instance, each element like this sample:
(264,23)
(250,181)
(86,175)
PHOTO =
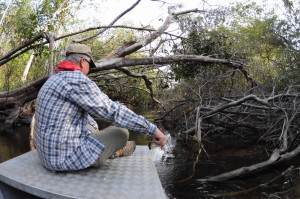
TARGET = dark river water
(179,173)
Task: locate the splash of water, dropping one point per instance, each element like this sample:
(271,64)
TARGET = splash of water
(161,155)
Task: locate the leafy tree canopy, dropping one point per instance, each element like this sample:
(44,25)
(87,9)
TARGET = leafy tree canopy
(267,43)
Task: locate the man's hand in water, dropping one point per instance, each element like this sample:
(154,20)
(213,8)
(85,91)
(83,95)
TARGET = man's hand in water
(159,138)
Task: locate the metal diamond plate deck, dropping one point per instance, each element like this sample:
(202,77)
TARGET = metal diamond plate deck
(132,177)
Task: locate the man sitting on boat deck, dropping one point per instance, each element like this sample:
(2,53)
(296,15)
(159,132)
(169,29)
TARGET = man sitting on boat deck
(65,135)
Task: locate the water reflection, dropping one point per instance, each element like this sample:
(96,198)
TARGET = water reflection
(179,176)
(14,141)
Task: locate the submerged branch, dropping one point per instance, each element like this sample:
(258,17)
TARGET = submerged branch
(275,159)
(247,191)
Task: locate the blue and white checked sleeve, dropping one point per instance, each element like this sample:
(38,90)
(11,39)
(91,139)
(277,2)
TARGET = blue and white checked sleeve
(87,95)
(92,122)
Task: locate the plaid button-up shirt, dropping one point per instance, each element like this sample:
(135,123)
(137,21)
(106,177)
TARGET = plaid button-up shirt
(63,106)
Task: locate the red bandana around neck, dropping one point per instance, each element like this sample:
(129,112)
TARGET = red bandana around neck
(67,66)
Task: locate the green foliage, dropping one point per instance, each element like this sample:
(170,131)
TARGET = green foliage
(12,73)
(210,43)
(25,20)
(287,29)
(266,43)
(128,90)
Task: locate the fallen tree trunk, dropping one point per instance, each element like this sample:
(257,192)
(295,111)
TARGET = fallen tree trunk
(21,95)
(275,159)
(16,99)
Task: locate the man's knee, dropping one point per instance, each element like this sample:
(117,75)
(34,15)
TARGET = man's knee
(119,131)
(125,132)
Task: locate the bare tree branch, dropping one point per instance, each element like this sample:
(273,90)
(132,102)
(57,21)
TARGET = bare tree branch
(126,50)
(22,48)
(144,77)
(114,21)
(4,13)
(236,103)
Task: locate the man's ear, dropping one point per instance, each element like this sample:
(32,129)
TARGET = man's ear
(81,63)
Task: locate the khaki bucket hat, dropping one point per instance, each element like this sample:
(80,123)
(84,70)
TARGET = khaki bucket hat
(81,49)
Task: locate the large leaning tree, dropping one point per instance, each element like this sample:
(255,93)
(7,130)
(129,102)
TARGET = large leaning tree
(47,39)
